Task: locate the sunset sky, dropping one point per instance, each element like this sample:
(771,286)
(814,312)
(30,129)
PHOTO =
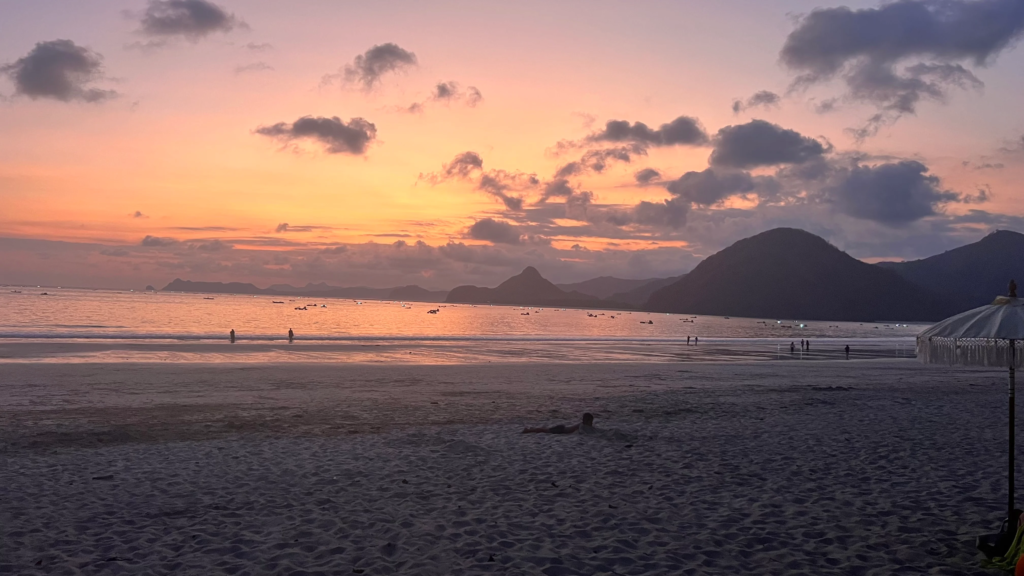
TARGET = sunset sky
(446,143)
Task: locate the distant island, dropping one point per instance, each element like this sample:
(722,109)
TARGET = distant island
(528,288)
(781,273)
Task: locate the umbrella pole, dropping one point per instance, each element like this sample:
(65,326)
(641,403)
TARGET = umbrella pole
(1013,361)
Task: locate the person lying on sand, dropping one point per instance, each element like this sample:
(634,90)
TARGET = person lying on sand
(583,428)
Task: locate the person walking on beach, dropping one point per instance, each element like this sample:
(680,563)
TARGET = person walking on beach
(687,340)
(695,340)
(291,335)
(792,348)
(584,427)
(808,345)
(231,335)
(847,351)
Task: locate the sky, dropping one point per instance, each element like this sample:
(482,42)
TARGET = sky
(448,143)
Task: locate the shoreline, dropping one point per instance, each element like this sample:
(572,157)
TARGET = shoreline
(419,351)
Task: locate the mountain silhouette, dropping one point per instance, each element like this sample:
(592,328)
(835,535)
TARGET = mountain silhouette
(179,285)
(528,288)
(637,296)
(604,286)
(414,293)
(971,275)
(793,274)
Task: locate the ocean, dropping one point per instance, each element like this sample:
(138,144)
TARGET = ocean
(51,324)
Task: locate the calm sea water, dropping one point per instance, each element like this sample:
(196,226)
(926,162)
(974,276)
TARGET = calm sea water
(98,325)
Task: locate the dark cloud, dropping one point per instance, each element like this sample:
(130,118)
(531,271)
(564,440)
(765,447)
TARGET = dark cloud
(760,143)
(498,183)
(598,159)
(568,169)
(684,130)
(58,69)
(282,227)
(448,93)
(259,47)
(762,98)
(646,176)
(710,186)
(445,91)
(139,214)
(368,68)
(191,19)
(463,165)
(866,47)
(495,231)
(157,241)
(336,136)
(893,194)
(451,92)
(557,188)
(668,214)
(826,106)
(215,245)
(254,67)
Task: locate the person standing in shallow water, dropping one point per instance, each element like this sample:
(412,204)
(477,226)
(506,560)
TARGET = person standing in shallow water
(291,335)
(231,335)
(792,348)
(847,351)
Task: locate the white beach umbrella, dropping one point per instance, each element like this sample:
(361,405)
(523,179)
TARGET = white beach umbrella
(991,335)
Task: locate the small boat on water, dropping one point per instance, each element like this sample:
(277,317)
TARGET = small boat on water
(301,308)
(207,298)
(277,302)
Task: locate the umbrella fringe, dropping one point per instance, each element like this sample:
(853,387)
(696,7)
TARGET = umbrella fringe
(969,352)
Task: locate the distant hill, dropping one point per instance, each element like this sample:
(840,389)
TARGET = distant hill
(639,295)
(604,286)
(310,287)
(179,285)
(528,288)
(788,273)
(408,293)
(414,293)
(971,275)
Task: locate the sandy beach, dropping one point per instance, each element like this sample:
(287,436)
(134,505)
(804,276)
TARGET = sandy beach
(829,467)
